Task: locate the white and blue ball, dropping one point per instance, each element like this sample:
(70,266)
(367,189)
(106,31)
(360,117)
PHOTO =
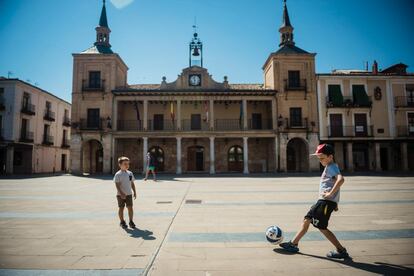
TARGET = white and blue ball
(274,234)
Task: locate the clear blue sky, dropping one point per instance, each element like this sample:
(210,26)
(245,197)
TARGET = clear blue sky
(38,37)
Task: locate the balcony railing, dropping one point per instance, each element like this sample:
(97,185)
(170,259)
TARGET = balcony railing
(26,136)
(65,143)
(405,131)
(297,124)
(66,121)
(164,125)
(28,109)
(47,140)
(228,124)
(348,102)
(299,86)
(130,125)
(85,124)
(404,101)
(264,124)
(49,115)
(86,86)
(350,131)
(187,125)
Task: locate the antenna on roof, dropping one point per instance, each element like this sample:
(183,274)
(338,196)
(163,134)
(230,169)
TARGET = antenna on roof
(9,73)
(29,81)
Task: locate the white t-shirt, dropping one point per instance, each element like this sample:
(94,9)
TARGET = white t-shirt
(125,178)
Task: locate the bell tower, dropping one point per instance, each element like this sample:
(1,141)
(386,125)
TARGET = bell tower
(103,31)
(195,50)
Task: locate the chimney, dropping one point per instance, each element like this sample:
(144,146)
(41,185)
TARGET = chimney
(375,68)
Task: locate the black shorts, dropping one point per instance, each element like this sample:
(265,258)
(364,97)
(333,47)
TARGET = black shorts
(320,213)
(124,201)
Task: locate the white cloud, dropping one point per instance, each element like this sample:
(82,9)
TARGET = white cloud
(120,4)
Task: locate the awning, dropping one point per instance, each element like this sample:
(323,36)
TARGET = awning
(335,95)
(360,95)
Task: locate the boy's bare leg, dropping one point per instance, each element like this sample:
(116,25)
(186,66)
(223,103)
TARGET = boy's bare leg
(331,237)
(302,232)
(130,213)
(146,175)
(121,213)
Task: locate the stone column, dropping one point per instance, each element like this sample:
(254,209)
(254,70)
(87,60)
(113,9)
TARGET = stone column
(245,155)
(211,114)
(178,170)
(276,149)
(274,115)
(404,156)
(144,153)
(282,154)
(377,157)
(107,150)
(9,160)
(179,117)
(115,115)
(212,159)
(145,115)
(349,157)
(244,114)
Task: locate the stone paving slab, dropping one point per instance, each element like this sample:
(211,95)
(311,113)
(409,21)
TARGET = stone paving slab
(67,225)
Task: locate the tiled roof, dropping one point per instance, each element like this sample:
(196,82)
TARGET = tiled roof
(290,49)
(247,86)
(149,86)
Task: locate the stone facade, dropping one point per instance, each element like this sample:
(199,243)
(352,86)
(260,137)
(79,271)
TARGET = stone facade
(34,129)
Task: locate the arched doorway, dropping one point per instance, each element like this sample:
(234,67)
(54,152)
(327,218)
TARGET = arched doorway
(158,154)
(92,154)
(195,158)
(235,159)
(297,155)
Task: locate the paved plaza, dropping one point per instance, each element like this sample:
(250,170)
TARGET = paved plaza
(193,225)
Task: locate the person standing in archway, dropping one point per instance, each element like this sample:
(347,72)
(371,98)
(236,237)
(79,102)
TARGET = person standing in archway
(150,166)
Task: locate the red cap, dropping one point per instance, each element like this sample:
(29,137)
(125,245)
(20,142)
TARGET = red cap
(324,149)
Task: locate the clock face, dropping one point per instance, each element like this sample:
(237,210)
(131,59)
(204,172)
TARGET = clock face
(195,80)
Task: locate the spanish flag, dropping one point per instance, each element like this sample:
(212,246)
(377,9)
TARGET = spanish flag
(172,111)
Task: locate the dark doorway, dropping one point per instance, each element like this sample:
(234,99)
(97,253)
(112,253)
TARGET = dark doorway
(297,156)
(235,159)
(195,158)
(3,160)
(195,122)
(256,121)
(63,163)
(360,157)
(158,121)
(384,159)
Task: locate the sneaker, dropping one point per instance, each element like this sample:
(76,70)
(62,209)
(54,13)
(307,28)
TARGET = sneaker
(123,224)
(338,254)
(132,224)
(289,246)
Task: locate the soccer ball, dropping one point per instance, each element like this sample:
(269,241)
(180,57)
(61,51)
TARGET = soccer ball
(274,234)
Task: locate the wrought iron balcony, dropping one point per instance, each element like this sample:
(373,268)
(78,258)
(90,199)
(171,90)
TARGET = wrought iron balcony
(299,85)
(47,140)
(264,124)
(66,121)
(348,102)
(65,143)
(187,125)
(85,124)
(350,131)
(228,124)
(130,125)
(26,136)
(87,86)
(28,109)
(164,125)
(49,115)
(404,101)
(297,124)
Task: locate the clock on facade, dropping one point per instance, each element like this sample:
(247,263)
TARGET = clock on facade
(195,80)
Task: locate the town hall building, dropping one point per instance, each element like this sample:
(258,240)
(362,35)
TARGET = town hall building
(195,123)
